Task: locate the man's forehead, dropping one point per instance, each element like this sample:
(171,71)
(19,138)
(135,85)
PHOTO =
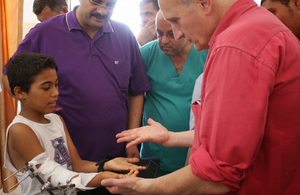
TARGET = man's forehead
(148,6)
(161,22)
(169,9)
(164,26)
(168,15)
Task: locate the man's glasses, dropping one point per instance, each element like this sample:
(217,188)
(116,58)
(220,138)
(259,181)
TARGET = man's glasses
(169,34)
(106,7)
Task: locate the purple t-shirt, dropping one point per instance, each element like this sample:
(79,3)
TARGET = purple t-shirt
(95,77)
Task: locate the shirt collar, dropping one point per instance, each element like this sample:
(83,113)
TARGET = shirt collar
(73,23)
(237,9)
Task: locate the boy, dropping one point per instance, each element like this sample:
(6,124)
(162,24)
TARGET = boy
(40,137)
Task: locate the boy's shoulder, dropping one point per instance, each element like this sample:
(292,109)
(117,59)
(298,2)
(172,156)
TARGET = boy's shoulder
(20,128)
(19,119)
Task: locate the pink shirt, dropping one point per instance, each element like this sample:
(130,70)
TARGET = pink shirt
(247,132)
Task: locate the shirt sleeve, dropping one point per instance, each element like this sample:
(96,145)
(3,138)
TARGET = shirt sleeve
(195,97)
(139,82)
(27,45)
(233,115)
(147,52)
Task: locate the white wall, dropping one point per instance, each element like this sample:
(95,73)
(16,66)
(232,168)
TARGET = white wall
(126,11)
(29,19)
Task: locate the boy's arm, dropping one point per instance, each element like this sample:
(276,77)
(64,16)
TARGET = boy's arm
(78,164)
(23,145)
(116,164)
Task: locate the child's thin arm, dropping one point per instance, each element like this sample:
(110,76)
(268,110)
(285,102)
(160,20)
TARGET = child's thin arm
(78,164)
(116,164)
(23,145)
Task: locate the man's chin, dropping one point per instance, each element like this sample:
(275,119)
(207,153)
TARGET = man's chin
(168,53)
(99,23)
(167,50)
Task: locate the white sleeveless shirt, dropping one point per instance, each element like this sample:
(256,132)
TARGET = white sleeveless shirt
(52,138)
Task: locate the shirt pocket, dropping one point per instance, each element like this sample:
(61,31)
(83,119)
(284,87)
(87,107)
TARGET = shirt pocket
(122,72)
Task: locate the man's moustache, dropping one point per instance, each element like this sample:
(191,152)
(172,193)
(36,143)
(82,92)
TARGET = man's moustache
(97,15)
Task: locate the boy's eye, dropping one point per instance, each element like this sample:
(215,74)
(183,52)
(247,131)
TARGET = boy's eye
(46,87)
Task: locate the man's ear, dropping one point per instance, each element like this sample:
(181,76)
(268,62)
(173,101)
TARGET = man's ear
(20,95)
(206,5)
(63,10)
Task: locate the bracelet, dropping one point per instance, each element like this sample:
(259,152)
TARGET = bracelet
(101,163)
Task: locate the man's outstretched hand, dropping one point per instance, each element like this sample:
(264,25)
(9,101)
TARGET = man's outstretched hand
(154,133)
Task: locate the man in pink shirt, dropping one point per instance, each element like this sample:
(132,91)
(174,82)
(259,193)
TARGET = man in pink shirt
(247,127)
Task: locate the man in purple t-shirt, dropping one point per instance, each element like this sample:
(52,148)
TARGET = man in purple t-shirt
(101,76)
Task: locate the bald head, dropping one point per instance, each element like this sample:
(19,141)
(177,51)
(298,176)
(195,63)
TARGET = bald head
(159,18)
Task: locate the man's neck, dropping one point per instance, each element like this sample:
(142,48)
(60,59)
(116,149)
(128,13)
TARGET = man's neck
(180,58)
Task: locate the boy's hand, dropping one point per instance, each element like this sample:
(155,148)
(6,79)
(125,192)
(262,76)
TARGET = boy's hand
(122,164)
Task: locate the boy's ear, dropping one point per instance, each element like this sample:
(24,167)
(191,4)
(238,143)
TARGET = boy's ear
(21,95)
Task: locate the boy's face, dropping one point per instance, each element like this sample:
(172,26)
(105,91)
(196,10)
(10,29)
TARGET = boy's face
(42,95)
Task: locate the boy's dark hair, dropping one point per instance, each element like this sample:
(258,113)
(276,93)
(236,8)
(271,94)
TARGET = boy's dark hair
(154,2)
(54,5)
(22,69)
